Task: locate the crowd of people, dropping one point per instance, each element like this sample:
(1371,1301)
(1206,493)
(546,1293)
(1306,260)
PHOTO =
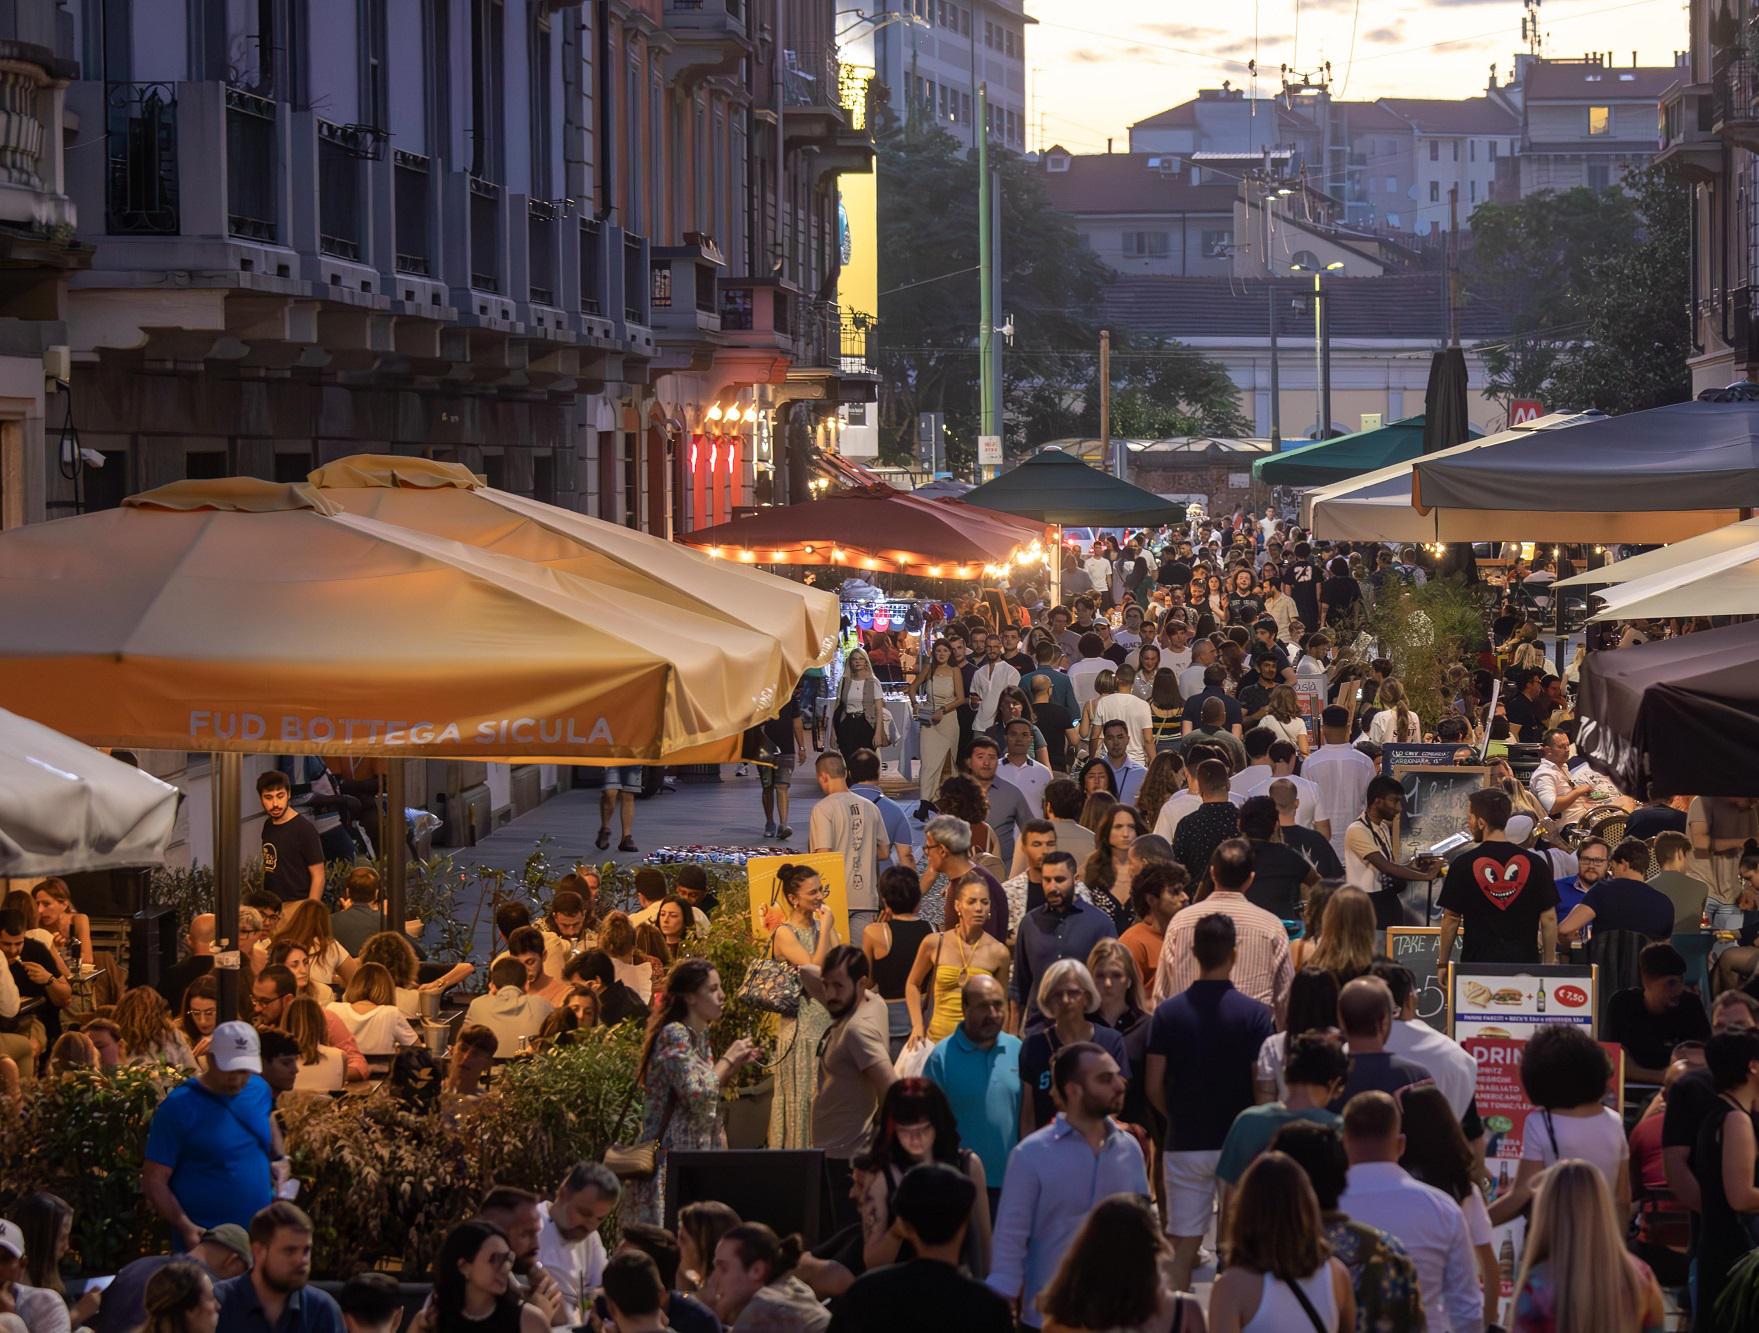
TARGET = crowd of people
(1110,1018)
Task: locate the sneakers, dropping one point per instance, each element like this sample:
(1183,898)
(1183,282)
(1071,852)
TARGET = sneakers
(603,840)
(785,832)
(627,845)
(769,828)
(739,771)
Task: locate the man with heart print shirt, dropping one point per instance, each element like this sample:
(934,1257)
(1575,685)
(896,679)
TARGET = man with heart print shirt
(1504,896)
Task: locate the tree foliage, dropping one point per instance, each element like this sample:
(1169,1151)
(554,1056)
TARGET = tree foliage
(1052,285)
(1595,287)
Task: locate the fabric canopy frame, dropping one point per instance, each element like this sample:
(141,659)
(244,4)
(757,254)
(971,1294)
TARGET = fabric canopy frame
(1725,583)
(1325,462)
(66,808)
(248,617)
(1051,487)
(448,500)
(1377,506)
(1632,568)
(1675,716)
(875,528)
(1658,475)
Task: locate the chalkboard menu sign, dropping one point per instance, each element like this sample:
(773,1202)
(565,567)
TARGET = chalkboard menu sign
(1394,757)
(1418,948)
(1435,802)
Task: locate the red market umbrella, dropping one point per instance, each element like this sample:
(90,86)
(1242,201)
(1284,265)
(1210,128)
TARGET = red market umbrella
(875,528)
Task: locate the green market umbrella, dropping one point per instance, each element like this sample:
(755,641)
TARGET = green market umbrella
(1051,487)
(1346,456)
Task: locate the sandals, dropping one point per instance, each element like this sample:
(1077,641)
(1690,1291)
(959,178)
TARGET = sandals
(603,840)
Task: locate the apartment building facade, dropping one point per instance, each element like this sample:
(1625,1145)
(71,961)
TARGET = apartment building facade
(932,55)
(588,249)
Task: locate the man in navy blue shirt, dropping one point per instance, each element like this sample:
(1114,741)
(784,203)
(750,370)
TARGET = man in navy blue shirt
(1202,1046)
(1623,900)
(1065,927)
(273,1297)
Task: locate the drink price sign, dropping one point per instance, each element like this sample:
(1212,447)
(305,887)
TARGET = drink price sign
(1510,999)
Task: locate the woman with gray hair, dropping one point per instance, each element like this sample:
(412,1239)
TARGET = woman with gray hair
(1068,997)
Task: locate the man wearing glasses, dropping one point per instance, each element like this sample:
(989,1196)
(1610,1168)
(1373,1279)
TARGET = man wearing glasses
(1592,861)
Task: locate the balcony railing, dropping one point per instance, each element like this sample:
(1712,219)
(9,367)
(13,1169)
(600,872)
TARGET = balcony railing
(251,165)
(339,192)
(540,251)
(705,13)
(810,77)
(592,268)
(141,143)
(818,330)
(485,235)
(1735,115)
(414,204)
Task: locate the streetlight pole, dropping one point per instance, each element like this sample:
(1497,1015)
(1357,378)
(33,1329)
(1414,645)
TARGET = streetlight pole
(1321,349)
(1276,392)
(986,334)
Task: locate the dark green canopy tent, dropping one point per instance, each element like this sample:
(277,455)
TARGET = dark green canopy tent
(1346,456)
(1051,487)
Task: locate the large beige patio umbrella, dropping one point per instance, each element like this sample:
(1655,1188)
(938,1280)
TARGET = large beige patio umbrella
(448,500)
(1732,537)
(245,616)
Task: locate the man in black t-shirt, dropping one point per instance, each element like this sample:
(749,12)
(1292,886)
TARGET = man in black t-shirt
(1504,896)
(1281,876)
(293,851)
(1692,1100)
(1524,708)
(1301,582)
(1649,1020)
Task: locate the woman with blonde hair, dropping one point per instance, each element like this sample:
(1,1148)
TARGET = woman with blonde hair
(1395,723)
(1281,1274)
(72,1051)
(1346,936)
(860,700)
(939,690)
(1284,719)
(149,1036)
(321,1066)
(70,930)
(618,939)
(391,950)
(368,1009)
(1313,918)
(179,1298)
(307,924)
(1576,1275)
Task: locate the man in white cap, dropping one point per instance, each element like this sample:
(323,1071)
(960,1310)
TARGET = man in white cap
(214,1153)
(35,1309)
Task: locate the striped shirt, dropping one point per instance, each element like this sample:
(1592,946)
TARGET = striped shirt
(1262,968)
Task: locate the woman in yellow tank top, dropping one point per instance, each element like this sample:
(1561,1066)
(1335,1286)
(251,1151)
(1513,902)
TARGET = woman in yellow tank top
(948,960)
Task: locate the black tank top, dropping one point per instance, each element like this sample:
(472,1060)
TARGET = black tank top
(891,972)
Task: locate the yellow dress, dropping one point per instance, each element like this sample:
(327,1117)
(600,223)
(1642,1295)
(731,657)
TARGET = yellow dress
(949,985)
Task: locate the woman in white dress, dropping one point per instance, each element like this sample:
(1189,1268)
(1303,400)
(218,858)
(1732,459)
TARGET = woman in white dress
(937,709)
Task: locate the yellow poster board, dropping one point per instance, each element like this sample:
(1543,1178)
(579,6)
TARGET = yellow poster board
(769,908)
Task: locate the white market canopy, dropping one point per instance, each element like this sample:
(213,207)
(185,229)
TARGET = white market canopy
(66,808)
(1722,583)
(1377,505)
(1734,536)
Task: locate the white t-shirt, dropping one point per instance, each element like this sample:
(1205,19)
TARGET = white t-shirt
(1083,673)
(1131,710)
(325,965)
(1099,572)
(1599,1139)
(1306,794)
(1382,728)
(850,824)
(1029,779)
(379,1031)
(1477,1219)
(327,1075)
(1360,842)
(578,1266)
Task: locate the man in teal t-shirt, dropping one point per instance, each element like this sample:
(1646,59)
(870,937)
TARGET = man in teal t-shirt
(1314,1072)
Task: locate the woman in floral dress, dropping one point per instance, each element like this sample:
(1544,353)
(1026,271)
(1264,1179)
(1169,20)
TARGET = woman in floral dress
(680,1079)
(805,937)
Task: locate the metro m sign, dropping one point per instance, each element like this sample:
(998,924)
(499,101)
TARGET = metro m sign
(1522,410)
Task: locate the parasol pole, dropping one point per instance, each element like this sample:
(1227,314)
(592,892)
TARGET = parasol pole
(1056,554)
(224,782)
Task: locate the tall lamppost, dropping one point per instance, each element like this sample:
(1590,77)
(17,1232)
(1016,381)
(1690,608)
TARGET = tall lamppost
(1321,348)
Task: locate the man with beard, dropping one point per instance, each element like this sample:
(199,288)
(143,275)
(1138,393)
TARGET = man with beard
(854,1068)
(568,1244)
(1057,1174)
(516,1212)
(273,1295)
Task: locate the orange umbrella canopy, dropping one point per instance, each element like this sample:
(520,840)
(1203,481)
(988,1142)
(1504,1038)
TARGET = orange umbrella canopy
(249,616)
(876,528)
(448,500)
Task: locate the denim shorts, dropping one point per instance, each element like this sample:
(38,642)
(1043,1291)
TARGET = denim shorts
(623,779)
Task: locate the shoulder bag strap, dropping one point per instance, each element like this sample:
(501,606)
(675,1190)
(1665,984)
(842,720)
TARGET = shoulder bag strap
(1306,1304)
(1557,1153)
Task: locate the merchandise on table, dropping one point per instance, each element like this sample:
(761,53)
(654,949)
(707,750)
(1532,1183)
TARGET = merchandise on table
(718,856)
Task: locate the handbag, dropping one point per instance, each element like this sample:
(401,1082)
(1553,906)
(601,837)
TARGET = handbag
(886,734)
(772,984)
(637,1161)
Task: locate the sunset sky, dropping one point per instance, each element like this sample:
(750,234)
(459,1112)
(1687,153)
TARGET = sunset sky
(1094,66)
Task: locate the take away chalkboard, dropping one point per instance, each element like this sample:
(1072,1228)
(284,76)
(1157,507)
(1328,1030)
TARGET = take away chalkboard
(1419,948)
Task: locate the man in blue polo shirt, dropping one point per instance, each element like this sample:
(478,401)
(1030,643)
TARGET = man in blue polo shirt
(864,772)
(273,1297)
(978,1067)
(213,1149)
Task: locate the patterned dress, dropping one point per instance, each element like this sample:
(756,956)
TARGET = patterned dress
(680,1073)
(797,1067)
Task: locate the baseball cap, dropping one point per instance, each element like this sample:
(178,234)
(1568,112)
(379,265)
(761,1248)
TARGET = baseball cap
(1519,828)
(11,1239)
(234,1237)
(234,1046)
